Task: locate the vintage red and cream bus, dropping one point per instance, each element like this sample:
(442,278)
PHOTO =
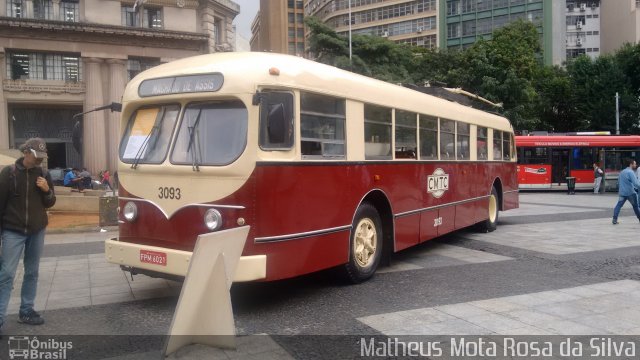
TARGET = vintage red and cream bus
(545,161)
(328,168)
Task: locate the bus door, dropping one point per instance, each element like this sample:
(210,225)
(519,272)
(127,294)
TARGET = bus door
(560,159)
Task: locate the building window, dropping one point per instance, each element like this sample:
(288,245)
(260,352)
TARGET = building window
(43,66)
(137,65)
(69,10)
(453,7)
(453,30)
(15,8)
(469,28)
(217,31)
(129,17)
(152,17)
(43,9)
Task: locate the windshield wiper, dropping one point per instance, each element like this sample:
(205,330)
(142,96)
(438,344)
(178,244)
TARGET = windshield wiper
(195,165)
(155,133)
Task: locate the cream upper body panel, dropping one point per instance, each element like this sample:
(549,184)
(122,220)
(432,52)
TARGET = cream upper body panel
(246,72)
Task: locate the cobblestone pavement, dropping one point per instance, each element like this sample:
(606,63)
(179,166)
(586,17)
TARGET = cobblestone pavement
(555,266)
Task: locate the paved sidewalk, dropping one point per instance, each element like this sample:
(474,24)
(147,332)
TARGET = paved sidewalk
(84,280)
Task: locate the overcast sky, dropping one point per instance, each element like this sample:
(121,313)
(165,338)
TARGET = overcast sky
(248,10)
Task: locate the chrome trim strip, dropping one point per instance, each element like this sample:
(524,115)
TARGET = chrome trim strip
(303,235)
(412,212)
(236,207)
(510,191)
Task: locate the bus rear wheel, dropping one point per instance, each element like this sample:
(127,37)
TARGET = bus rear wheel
(491,223)
(365,244)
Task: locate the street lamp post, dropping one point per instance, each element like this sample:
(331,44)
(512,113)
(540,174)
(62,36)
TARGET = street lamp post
(350,48)
(617,114)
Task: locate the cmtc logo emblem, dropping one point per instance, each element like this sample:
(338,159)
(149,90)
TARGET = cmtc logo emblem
(438,183)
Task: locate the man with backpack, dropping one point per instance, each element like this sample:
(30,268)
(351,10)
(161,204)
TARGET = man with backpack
(26,191)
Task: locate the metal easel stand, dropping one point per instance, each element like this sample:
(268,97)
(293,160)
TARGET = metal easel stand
(204,314)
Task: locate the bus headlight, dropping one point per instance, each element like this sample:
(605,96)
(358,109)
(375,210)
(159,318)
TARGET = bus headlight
(130,212)
(213,219)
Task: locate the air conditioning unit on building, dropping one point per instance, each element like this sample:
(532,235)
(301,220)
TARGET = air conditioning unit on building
(579,42)
(583,7)
(385,34)
(579,25)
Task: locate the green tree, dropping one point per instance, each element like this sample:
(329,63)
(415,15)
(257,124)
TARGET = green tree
(556,104)
(595,84)
(502,70)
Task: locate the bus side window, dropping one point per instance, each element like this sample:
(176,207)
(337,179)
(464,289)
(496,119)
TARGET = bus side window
(276,120)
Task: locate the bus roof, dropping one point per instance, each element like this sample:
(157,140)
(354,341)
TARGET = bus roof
(577,141)
(244,72)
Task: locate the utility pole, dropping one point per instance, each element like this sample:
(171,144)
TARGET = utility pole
(617,114)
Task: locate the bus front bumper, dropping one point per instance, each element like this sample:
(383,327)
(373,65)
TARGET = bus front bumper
(175,262)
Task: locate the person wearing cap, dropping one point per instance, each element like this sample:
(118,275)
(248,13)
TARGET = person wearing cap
(26,192)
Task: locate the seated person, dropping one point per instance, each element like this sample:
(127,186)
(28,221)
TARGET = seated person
(72,180)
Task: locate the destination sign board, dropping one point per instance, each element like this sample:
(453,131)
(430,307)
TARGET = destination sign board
(181,85)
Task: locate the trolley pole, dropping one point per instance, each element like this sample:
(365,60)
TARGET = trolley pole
(617,114)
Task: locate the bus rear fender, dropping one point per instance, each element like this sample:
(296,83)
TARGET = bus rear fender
(380,201)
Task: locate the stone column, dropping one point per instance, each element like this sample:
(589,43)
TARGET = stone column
(117,82)
(4,114)
(56,10)
(208,27)
(94,152)
(28,9)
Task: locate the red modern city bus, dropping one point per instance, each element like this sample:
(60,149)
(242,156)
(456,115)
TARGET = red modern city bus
(545,161)
(328,168)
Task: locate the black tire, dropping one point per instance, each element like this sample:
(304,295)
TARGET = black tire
(365,245)
(493,210)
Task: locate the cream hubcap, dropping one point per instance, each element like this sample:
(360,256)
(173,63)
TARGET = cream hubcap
(493,208)
(366,240)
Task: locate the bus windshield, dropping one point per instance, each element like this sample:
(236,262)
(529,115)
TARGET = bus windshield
(212,134)
(148,134)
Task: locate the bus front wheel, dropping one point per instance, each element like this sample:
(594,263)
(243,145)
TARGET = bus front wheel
(491,223)
(365,245)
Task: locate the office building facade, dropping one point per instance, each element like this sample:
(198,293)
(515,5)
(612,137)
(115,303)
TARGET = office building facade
(279,27)
(413,22)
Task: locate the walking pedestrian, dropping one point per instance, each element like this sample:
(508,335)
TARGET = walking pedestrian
(598,175)
(627,190)
(26,191)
